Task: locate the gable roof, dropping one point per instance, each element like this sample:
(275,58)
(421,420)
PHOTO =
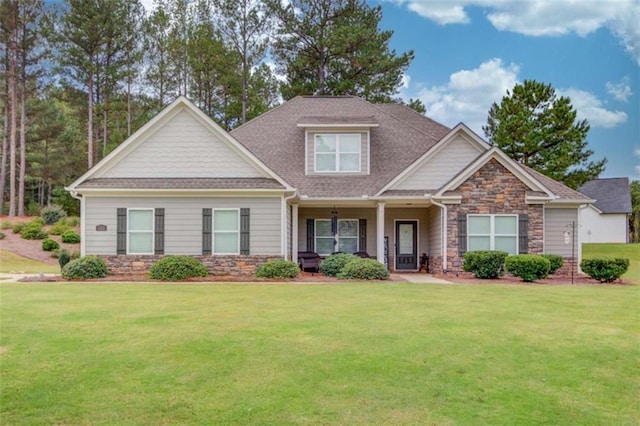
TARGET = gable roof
(401,135)
(136,139)
(611,195)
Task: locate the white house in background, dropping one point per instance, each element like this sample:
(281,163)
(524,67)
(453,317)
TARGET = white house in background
(607,220)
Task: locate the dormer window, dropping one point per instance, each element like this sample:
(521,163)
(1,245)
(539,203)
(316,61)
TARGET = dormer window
(337,152)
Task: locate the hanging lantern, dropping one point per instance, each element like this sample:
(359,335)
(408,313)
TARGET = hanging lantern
(334,221)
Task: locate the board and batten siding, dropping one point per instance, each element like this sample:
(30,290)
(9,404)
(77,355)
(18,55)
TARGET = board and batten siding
(557,221)
(440,168)
(183,222)
(364,153)
(183,148)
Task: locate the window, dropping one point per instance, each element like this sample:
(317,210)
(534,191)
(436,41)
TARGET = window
(337,152)
(226,231)
(140,231)
(493,232)
(346,236)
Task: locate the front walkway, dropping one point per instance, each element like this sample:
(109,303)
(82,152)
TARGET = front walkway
(14,278)
(418,278)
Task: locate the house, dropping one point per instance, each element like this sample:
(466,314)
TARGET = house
(607,219)
(321,174)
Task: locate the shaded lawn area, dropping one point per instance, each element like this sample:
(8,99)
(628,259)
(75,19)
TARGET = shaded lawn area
(630,251)
(13,263)
(319,354)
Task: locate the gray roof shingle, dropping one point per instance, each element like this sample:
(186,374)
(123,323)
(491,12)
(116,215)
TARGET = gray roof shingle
(612,195)
(559,189)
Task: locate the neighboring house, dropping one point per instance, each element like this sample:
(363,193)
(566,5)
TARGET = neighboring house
(606,220)
(321,174)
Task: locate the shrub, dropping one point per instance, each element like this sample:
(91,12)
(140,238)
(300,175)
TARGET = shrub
(18,227)
(73,221)
(63,257)
(333,264)
(278,269)
(363,269)
(172,268)
(2,236)
(70,237)
(75,255)
(49,245)
(33,231)
(529,267)
(556,262)
(59,228)
(605,269)
(5,224)
(485,264)
(84,268)
(52,214)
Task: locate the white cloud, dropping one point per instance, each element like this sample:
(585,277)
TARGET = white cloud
(589,107)
(621,91)
(405,81)
(148,4)
(542,17)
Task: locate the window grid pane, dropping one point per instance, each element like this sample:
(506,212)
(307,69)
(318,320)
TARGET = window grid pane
(141,220)
(324,245)
(225,220)
(479,225)
(140,242)
(479,243)
(225,242)
(326,143)
(506,225)
(508,244)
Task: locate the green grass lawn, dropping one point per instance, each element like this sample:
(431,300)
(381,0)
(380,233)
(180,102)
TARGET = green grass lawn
(355,354)
(11,262)
(630,251)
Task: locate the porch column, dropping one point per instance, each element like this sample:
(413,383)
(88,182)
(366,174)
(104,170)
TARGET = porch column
(294,232)
(380,233)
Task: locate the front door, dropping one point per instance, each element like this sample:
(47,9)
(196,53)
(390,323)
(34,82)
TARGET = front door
(406,245)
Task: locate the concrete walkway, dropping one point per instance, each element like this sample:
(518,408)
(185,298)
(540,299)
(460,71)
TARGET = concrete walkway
(423,279)
(35,277)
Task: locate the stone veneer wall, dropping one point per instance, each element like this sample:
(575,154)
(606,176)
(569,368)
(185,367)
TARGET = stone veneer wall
(217,265)
(492,190)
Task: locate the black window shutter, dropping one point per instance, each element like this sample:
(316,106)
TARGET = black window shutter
(244,231)
(159,231)
(121,239)
(311,235)
(362,225)
(523,234)
(462,234)
(206,231)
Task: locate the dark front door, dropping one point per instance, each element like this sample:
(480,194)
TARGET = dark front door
(406,245)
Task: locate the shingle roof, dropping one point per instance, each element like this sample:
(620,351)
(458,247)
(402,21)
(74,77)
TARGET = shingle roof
(562,191)
(402,136)
(332,119)
(181,183)
(612,195)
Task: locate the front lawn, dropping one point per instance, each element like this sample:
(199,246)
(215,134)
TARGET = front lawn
(13,263)
(319,354)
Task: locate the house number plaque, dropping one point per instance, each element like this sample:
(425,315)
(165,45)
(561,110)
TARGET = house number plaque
(101,228)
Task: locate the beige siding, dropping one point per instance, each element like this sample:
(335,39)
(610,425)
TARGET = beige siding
(440,168)
(556,223)
(434,232)
(183,222)
(364,150)
(183,147)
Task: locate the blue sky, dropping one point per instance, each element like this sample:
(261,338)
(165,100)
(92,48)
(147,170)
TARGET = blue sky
(469,52)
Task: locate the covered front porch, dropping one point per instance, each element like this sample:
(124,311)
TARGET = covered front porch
(401,234)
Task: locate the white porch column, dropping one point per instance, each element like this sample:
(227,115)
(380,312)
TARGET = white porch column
(294,232)
(380,232)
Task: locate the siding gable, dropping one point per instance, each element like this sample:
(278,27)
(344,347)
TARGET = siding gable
(183,147)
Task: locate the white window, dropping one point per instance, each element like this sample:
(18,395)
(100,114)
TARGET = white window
(226,231)
(492,232)
(140,231)
(346,236)
(337,152)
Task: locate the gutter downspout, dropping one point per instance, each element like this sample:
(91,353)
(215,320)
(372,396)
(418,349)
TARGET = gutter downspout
(443,230)
(284,222)
(74,194)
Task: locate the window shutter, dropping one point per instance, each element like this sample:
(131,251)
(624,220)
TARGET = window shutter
(159,232)
(523,234)
(362,225)
(207,223)
(310,235)
(244,231)
(121,239)
(462,234)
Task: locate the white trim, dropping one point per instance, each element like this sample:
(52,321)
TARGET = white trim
(337,154)
(83,227)
(213,231)
(443,234)
(306,154)
(294,232)
(380,213)
(153,230)
(368,153)
(395,243)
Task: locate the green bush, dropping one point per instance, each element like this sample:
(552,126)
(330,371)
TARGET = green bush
(59,228)
(278,269)
(18,227)
(73,221)
(52,214)
(70,237)
(363,269)
(529,267)
(605,269)
(5,224)
(49,245)
(63,257)
(485,264)
(33,231)
(2,236)
(556,262)
(173,268)
(333,264)
(84,268)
